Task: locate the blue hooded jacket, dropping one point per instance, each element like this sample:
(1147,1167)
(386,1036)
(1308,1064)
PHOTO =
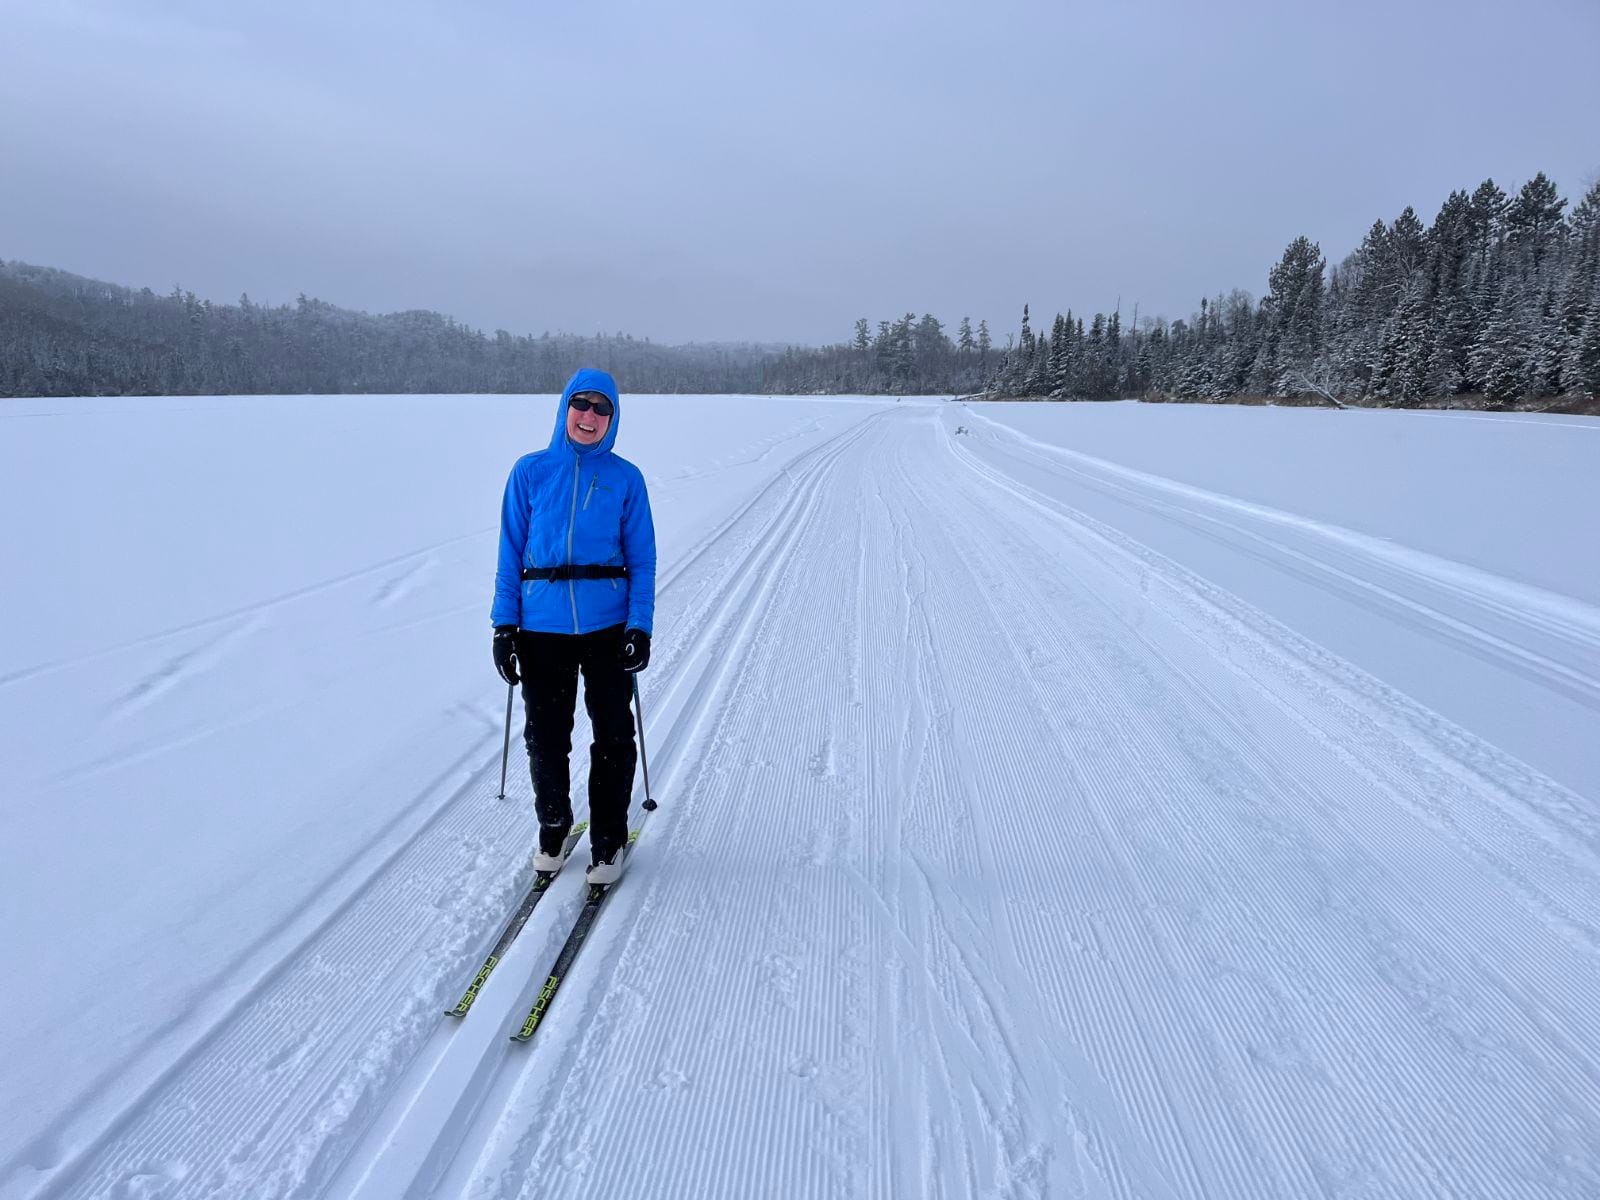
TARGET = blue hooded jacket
(577,505)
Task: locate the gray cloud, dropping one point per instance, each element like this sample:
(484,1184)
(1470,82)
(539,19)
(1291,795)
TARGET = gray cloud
(724,171)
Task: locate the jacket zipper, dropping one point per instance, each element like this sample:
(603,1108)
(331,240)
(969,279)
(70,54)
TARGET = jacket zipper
(589,495)
(572,584)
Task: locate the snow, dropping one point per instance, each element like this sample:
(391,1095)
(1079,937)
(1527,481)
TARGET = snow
(1107,800)
(1386,537)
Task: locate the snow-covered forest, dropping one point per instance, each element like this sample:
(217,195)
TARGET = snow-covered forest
(64,335)
(1495,303)
(1499,297)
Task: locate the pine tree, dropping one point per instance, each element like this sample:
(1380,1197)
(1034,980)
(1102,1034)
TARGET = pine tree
(1451,337)
(1060,358)
(904,359)
(1234,356)
(1408,247)
(1077,356)
(1039,377)
(1583,369)
(883,357)
(1533,222)
(1111,373)
(1195,380)
(1022,373)
(1547,350)
(1291,323)
(1498,359)
(1364,307)
(1583,279)
(1145,365)
(1450,329)
(1402,374)
(1487,213)
(964,342)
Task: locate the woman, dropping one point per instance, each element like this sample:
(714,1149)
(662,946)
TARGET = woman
(576,590)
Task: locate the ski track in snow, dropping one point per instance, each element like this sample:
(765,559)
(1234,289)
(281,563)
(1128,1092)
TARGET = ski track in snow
(1087,879)
(411,567)
(1527,628)
(352,1030)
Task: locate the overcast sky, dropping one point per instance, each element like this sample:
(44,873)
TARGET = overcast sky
(729,170)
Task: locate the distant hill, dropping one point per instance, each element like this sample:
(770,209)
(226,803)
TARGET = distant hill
(63,334)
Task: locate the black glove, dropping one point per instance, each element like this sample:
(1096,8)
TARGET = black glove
(635,650)
(505,653)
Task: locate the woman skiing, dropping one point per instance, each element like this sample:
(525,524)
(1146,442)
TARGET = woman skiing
(574,591)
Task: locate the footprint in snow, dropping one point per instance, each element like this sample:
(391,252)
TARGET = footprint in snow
(802,1066)
(669,1080)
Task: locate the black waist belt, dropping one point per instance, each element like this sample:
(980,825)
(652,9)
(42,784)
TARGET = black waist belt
(574,571)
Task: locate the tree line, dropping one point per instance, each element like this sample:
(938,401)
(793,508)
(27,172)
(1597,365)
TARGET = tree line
(1497,301)
(64,335)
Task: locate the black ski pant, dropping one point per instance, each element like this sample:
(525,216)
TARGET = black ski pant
(549,663)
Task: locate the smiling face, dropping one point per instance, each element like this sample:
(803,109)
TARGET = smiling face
(586,428)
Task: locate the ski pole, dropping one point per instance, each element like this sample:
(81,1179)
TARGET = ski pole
(649,800)
(505,755)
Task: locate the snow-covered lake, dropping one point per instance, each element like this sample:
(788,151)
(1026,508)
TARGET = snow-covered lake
(1103,800)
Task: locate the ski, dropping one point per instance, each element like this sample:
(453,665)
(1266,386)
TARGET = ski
(541,883)
(569,950)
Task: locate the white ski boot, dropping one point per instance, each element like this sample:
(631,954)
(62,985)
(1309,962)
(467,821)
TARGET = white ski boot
(608,871)
(548,864)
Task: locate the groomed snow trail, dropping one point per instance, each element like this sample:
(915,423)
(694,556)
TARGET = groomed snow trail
(271,1096)
(998,855)
(1009,858)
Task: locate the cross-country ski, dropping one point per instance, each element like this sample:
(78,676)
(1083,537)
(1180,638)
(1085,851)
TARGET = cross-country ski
(543,876)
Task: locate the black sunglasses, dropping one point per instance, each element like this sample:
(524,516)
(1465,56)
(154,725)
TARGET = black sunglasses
(602,407)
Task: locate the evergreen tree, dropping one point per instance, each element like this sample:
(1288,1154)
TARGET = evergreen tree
(932,344)
(1487,214)
(1402,372)
(1060,358)
(1547,351)
(904,354)
(883,356)
(1020,373)
(1092,361)
(1294,306)
(1039,383)
(1533,222)
(1448,298)
(1241,343)
(1407,246)
(1498,358)
(1583,278)
(1451,338)
(1366,305)
(1583,368)
(1112,377)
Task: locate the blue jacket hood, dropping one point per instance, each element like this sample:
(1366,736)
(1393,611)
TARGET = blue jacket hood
(587,379)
